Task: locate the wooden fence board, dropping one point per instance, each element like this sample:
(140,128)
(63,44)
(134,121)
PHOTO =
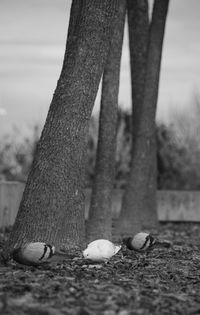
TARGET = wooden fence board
(179,205)
(172,205)
(10,197)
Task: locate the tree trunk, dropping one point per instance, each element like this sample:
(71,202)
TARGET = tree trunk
(52,206)
(138,26)
(139,203)
(154,57)
(100,215)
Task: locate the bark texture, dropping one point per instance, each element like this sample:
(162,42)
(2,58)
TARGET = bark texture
(100,215)
(52,207)
(139,203)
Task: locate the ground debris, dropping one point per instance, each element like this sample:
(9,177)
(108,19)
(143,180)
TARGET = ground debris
(162,281)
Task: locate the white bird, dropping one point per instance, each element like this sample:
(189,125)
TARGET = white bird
(101,250)
(140,242)
(33,253)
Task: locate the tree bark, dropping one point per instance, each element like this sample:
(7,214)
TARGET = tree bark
(139,202)
(138,26)
(154,57)
(100,215)
(52,206)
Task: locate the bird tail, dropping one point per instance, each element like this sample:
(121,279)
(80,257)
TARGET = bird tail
(117,248)
(163,243)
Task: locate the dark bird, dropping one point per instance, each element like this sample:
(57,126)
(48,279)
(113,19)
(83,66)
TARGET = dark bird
(140,242)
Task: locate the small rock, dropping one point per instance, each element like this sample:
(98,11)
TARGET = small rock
(95,266)
(109,312)
(123,312)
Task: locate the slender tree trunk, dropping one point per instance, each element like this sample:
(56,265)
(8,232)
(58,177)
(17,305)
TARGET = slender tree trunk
(52,207)
(154,57)
(138,26)
(139,203)
(100,215)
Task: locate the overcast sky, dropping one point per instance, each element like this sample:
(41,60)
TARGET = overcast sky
(32,43)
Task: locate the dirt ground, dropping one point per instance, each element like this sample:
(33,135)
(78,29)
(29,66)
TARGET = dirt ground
(163,281)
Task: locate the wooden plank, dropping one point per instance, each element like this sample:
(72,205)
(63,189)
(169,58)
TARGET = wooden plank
(10,197)
(172,205)
(179,205)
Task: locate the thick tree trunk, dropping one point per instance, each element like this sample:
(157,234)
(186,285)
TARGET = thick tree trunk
(100,215)
(52,207)
(139,203)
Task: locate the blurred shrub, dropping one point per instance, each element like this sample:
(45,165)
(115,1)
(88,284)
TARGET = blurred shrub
(16,154)
(123,150)
(178,153)
(171,159)
(182,149)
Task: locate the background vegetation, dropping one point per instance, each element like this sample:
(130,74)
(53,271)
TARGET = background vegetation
(178,151)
